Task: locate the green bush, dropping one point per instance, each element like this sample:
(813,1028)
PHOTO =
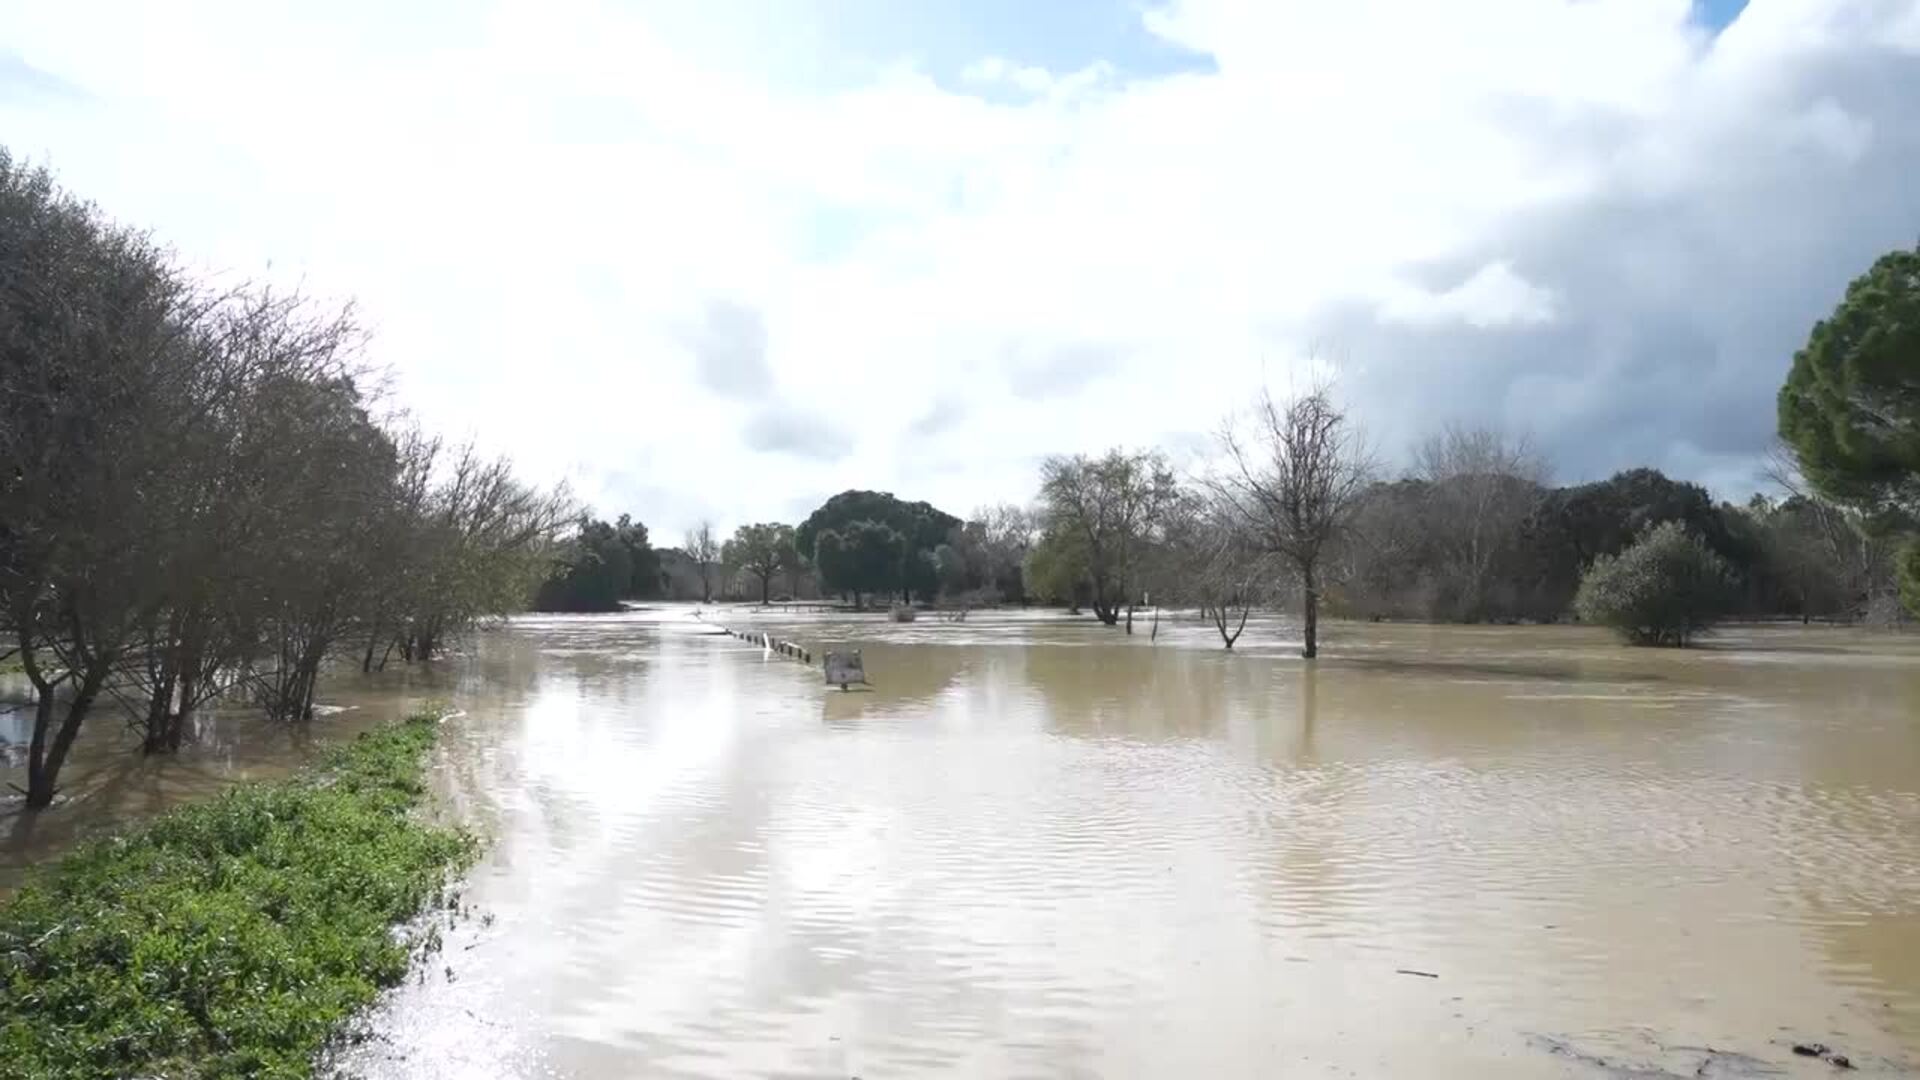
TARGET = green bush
(1910,577)
(229,938)
(1665,589)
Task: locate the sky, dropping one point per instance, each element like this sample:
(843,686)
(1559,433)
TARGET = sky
(721,260)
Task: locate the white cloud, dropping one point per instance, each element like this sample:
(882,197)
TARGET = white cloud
(1494,296)
(1517,209)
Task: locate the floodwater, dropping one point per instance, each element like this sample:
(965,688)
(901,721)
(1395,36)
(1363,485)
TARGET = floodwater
(1037,847)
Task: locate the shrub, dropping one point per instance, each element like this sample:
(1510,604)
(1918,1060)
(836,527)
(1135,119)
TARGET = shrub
(1663,590)
(229,938)
(1910,577)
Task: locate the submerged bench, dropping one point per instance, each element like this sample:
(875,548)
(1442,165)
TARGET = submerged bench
(844,668)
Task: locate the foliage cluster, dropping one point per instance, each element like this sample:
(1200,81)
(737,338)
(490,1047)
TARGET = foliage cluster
(227,938)
(1664,589)
(197,498)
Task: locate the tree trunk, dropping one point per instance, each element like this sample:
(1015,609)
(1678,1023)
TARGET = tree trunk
(159,712)
(177,723)
(1310,645)
(766,587)
(44,761)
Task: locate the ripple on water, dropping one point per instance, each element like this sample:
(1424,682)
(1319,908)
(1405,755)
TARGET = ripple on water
(1132,861)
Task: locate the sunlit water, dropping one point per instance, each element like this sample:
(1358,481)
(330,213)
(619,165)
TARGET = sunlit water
(1037,847)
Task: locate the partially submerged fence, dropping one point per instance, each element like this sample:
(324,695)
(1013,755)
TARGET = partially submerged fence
(842,669)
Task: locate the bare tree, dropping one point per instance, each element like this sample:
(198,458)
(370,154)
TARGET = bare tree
(1480,487)
(1862,554)
(1292,483)
(1112,505)
(1208,560)
(703,547)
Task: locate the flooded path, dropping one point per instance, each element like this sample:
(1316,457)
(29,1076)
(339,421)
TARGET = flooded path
(1039,848)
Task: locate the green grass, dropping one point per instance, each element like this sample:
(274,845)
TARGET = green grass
(230,938)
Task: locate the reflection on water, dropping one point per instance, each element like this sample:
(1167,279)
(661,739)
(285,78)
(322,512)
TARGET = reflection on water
(1040,848)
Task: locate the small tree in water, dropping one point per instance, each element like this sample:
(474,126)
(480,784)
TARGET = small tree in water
(1292,485)
(1666,589)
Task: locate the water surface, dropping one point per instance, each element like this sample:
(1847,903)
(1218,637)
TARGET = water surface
(1040,848)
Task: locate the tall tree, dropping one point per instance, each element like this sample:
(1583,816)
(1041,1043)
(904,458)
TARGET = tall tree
(645,581)
(762,550)
(97,365)
(921,527)
(1208,560)
(1055,570)
(1292,483)
(592,572)
(863,557)
(703,550)
(1113,505)
(1850,409)
(1480,487)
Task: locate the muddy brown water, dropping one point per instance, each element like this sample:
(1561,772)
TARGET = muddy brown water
(1037,847)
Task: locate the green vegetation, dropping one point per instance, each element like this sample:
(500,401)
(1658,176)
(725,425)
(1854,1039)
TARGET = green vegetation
(599,566)
(1664,589)
(198,498)
(230,938)
(1850,409)
(871,542)
(762,550)
(1910,576)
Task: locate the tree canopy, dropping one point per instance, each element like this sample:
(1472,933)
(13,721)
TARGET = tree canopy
(196,496)
(1850,409)
(762,550)
(919,531)
(592,572)
(1112,506)
(862,557)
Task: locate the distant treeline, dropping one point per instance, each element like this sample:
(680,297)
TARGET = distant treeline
(1296,509)
(1465,545)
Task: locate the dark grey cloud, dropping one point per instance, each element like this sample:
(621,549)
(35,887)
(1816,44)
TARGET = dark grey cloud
(945,413)
(1058,372)
(1676,314)
(729,346)
(778,429)
(21,81)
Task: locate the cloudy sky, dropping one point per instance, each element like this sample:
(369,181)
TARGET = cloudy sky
(725,258)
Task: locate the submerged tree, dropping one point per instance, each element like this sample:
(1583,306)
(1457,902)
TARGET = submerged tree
(921,529)
(97,360)
(1208,560)
(194,495)
(1292,483)
(592,571)
(861,558)
(1479,487)
(703,550)
(1055,570)
(762,550)
(1113,506)
(1665,589)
